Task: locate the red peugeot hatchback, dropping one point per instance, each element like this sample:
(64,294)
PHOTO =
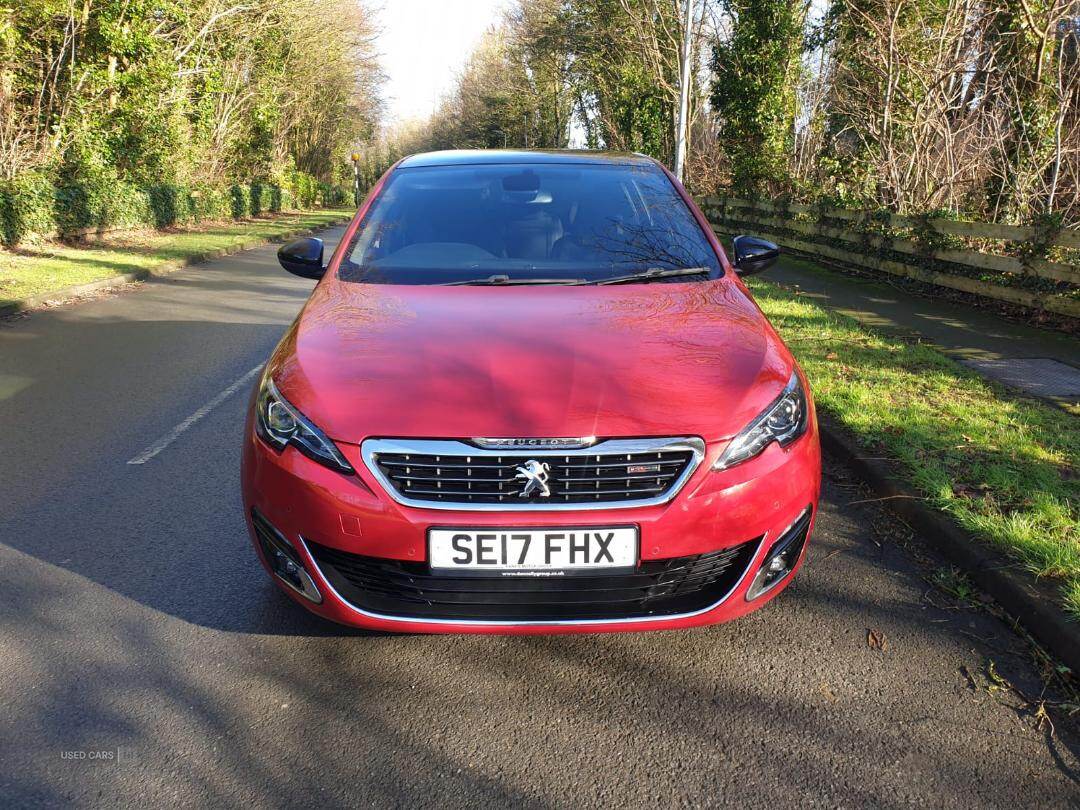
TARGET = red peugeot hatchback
(530,394)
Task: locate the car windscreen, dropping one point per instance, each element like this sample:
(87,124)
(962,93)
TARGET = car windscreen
(522,223)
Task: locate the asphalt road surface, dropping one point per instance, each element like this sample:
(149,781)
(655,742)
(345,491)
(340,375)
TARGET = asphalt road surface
(145,658)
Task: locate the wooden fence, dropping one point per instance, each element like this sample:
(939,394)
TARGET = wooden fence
(1000,262)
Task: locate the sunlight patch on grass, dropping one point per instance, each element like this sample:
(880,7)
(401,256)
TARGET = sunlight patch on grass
(43,269)
(1003,466)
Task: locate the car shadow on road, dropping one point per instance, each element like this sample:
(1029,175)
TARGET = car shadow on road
(251,696)
(212,718)
(188,735)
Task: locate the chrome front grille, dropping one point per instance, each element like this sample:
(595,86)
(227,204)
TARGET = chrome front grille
(461,475)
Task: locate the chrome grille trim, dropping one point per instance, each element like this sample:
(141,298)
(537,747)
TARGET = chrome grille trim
(450,449)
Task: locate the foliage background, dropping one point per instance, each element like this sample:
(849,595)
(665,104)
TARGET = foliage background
(963,108)
(119,113)
(116,112)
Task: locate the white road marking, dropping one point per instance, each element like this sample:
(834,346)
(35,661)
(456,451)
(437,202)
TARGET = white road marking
(177,431)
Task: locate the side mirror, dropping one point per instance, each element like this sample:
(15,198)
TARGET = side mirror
(303,258)
(752,255)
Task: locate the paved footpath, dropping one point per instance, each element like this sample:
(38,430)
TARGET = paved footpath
(145,658)
(1039,361)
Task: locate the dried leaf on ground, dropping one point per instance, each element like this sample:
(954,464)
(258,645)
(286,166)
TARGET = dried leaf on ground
(875,640)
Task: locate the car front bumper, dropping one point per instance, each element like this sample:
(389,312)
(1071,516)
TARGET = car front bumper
(735,515)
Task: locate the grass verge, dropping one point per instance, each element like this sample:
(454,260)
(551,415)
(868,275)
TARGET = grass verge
(1003,466)
(43,269)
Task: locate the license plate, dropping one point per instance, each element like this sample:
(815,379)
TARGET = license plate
(533,552)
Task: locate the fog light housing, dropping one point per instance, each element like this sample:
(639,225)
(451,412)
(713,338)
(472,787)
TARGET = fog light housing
(782,557)
(283,559)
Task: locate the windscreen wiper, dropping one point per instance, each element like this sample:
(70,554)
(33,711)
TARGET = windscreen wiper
(651,274)
(502,279)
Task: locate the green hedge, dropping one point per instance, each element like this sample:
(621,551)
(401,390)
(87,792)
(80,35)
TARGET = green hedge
(333,196)
(40,204)
(27,206)
(305,189)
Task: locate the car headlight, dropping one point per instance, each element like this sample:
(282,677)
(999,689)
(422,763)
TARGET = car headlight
(278,424)
(785,420)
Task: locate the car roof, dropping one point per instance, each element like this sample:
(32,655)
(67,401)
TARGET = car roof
(472,157)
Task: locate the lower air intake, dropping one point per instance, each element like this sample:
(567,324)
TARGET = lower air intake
(657,588)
